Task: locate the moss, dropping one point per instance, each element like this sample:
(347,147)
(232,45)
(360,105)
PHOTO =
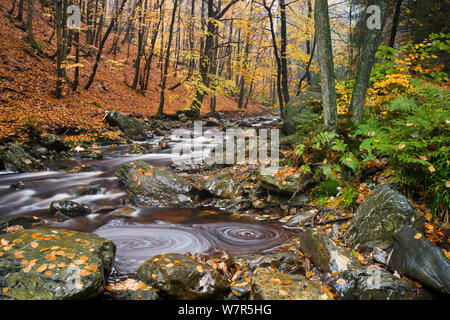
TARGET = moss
(327,188)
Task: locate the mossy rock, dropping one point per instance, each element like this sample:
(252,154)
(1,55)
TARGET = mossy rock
(149,186)
(133,128)
(291,184)
(380,217)
(180,277)
(223,185)
(53,264)
(272,285)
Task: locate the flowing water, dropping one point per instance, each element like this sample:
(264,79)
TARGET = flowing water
(147,232)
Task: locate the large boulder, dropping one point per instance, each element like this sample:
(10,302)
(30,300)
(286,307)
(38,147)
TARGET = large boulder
(149,186)
(223,185)
(324,252)
(380,217)
(133,128)
(374,283)
(180,277)
(274,180)
(298,110)
(271,285)
(420,260)
(287,262)
(15,158)
(69,209)
(53,264)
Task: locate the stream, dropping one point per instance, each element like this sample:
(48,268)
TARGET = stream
(148,231)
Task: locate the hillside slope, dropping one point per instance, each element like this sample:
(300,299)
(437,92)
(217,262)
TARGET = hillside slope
(27,82)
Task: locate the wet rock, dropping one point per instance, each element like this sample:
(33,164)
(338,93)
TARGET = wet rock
(124,211)
(149,186)
(179,277)
(287,262)
(88,191)
(15,158)
(420,260)
(300,219)
(131,289)
(182,117)
(299,110)
(267,178)
(69,209)
(158,132)
(49,264)
(103,209)
(324,252)
(133,128)
(39,152)
(90,154)
(212,122)
(8,224)
(380,256)
(270,285)
(298,199)
(235,205)
(19,185)
(53,142)
(241,289)
(380,217)
(223,186)
(374,283)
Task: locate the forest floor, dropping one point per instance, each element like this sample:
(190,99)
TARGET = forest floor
(27,82)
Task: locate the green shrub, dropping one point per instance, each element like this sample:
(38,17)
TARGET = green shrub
(414,137)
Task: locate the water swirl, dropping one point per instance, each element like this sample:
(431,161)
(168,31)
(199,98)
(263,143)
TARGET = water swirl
(137,243)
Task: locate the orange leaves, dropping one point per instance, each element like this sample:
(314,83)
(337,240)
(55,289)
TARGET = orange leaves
(418,236)
(84,272)
(91,268)
(42,268)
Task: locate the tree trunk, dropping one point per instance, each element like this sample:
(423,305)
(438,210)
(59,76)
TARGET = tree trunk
(167,59)
(325,53)
(102,44)
(283,53)
(395,23)
(30,35)
(371,41)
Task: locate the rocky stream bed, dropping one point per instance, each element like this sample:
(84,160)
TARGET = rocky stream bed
(122,221)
